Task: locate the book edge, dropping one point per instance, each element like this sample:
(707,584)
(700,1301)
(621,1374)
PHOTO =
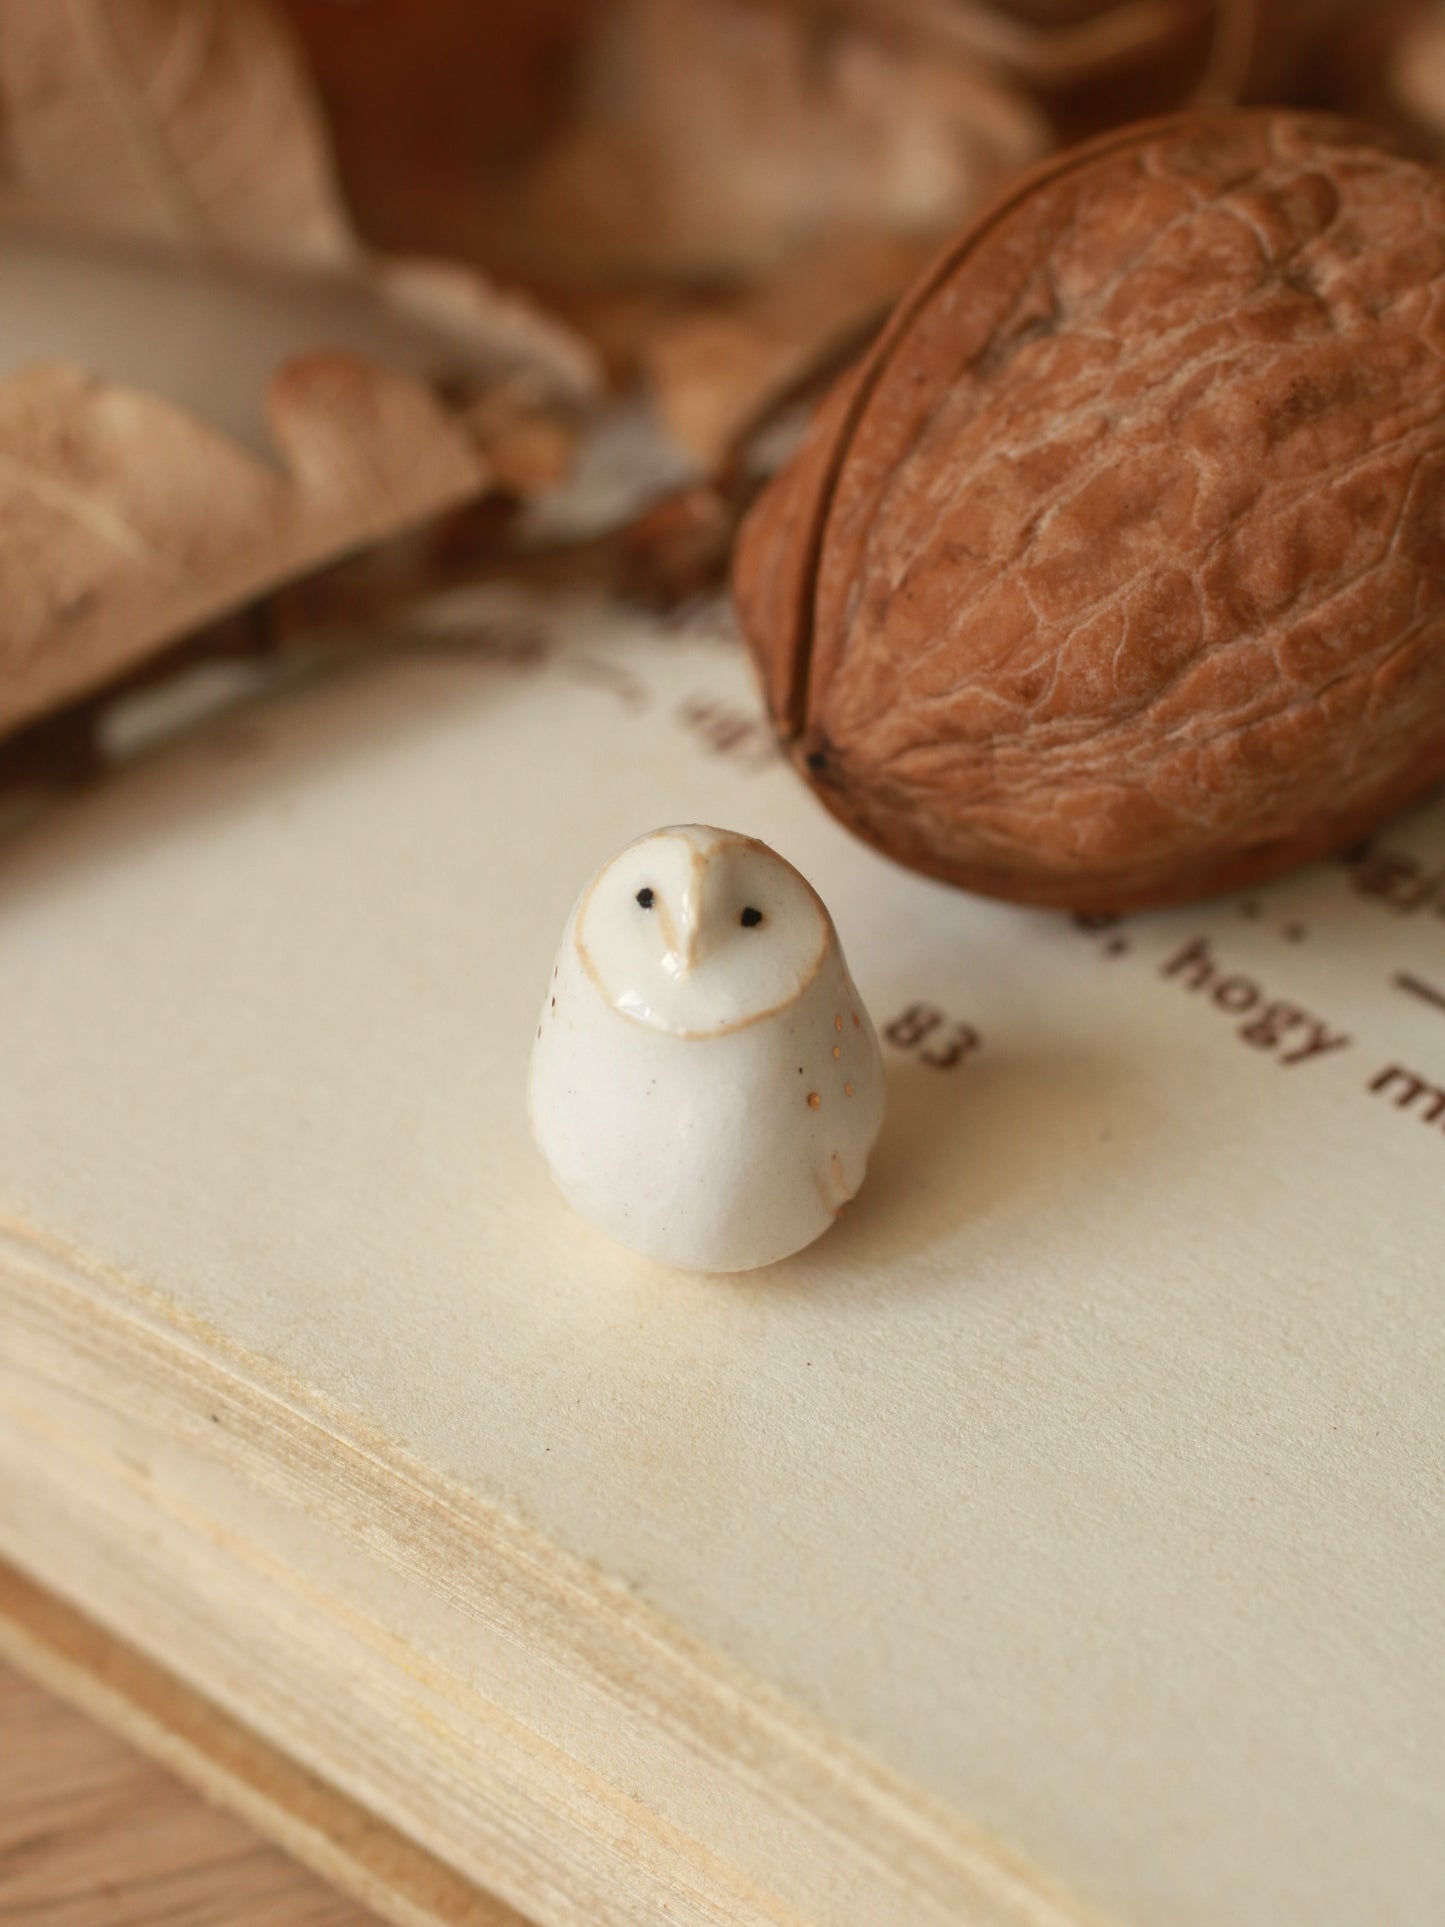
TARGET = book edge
(798,1760)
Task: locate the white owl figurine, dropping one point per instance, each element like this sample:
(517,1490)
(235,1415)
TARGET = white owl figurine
(706,1085)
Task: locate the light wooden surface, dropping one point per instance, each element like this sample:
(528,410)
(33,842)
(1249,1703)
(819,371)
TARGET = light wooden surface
(48,1648)
(94,1835)
(1069,1514)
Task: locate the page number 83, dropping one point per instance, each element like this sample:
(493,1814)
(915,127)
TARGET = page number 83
(938,1039)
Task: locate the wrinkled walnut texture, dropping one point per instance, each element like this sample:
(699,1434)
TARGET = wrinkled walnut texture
(1115,575)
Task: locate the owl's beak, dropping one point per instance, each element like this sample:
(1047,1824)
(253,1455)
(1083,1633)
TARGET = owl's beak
(690,924)
(688,937)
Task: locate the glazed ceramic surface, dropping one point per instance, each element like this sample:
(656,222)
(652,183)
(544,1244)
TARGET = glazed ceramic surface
(705,1084)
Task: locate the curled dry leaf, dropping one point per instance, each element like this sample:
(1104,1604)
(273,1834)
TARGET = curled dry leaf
(432,108)
(1384,63)
(719,366)
(125,523)
(193,125)
(713,139)
(794,171)
(1413,71)
(1270,50)
(729,191)
(1052,46)
(186,125)
(190,128)
(1099,63)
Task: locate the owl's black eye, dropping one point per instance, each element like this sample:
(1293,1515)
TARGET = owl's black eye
(750,918)
(644,896)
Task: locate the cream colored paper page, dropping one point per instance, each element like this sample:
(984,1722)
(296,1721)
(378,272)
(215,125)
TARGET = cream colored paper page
(1088,1474)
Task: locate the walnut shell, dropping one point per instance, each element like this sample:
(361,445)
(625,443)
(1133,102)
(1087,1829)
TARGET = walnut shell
(1115,574)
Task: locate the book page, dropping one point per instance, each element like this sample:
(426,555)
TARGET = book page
(1087,1473)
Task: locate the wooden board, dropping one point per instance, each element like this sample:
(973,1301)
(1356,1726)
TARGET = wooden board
(95,1834)
(1061,1536)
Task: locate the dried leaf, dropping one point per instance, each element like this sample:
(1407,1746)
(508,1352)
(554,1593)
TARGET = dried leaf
(678,549)
(433,107)
(526,449)
(187,125)
(718,367)
(1411,76)
(1097,63)
(1051,45)
(192,125)
(125,523)
(712,139)
(191,128)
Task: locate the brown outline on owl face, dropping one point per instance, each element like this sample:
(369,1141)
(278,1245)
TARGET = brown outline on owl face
(699,859)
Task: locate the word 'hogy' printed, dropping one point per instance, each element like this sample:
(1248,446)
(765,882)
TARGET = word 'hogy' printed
(1291,1033)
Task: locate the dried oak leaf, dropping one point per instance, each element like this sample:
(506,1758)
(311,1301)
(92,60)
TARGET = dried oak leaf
(193,125)
(1098,63)
(713,139)
(190,125)
(191,128)
(431,107)
(729,192)
(125,523)
(1115,575)
(1063,48)
(718,366)
(1410,63)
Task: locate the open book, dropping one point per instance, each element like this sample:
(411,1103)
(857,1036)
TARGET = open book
(1061,1538)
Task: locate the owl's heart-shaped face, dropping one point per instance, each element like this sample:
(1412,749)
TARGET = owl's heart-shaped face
(700,931)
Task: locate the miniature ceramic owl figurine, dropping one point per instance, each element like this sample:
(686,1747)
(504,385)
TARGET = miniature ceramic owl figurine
(706,1085)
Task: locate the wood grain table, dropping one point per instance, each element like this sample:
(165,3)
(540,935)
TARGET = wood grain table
(95,1829)
(94,1835)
